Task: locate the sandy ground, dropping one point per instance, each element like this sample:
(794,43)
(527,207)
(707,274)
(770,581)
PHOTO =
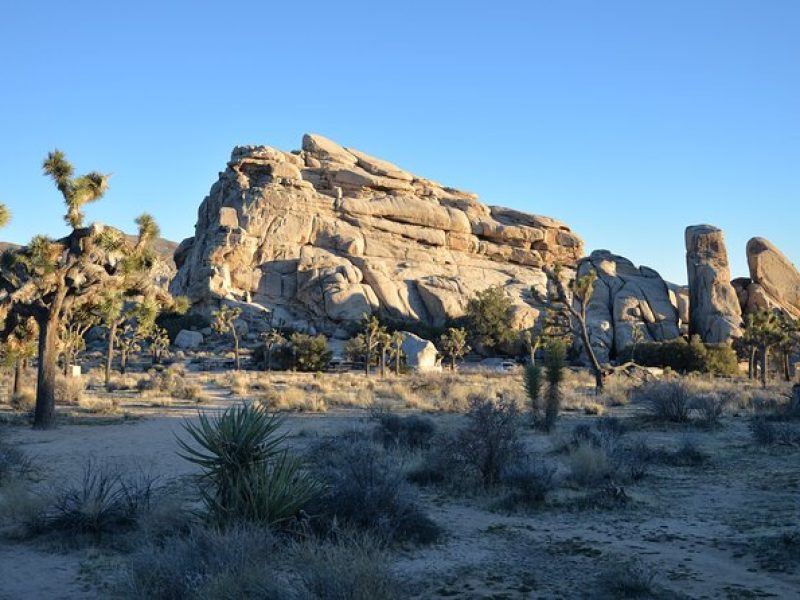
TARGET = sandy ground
(701,529)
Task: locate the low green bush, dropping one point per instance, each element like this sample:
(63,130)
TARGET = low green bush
(684,356)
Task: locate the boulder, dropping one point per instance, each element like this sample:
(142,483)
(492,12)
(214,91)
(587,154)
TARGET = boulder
(421,354)
(714,311)
(775,281)
(188,340)
(328,233)
(626,298)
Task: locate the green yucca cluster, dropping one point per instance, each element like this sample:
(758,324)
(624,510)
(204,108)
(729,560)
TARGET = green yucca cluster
(534,377)
(247,472)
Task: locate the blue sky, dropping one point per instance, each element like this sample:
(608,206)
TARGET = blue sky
(628,120)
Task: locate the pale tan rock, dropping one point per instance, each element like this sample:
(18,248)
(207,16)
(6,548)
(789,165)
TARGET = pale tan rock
(626,298)
(377,166)
(322,148)
(715,314)
(321,236)
(775,274)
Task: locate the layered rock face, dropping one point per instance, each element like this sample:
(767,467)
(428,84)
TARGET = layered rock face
(322,235)
(774,281)
(715,313)
(626,298)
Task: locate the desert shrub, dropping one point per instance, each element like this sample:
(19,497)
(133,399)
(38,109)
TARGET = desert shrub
(412,431)
(366,488)
(687,454)
(69,390)
(171,382)
(310,352)
(247,473)
(14,463)
(527,483)
(291,399)
(597,453)
(100,406)
(668,400)
(590,464)
(189,567)
(24,401)
(237,382)
(488,321)
(711,407)
(102,502)
(685,356)
(489,442)
(354,568)
(769,432)
(628,579)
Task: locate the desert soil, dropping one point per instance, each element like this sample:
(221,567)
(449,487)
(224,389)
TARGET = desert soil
(707,531)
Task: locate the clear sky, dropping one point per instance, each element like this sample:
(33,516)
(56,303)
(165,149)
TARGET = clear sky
(628,120)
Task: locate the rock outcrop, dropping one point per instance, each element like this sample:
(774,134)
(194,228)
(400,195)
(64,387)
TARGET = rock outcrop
(774,281)
(715,314)
(626,298)
(321,235)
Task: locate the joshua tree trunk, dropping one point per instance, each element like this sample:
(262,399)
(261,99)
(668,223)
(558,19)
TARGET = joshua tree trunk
(112,333)
(787,371)
(267,358)
(397,362)
(751,363)
(764,365)
(45,414)
(383,362)
(367,360)
(235,346)
(18,374)
(123,360)
(597,369)
(452,362)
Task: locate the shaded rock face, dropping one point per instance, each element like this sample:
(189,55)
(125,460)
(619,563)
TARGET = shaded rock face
(626,298)
(715,313)
(774,281)
(322,235)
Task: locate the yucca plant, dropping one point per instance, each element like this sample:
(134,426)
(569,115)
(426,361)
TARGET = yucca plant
(533,389)
(247,473)
(555,362)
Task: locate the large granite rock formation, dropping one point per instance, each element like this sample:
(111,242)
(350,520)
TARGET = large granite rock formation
(626,298)
(715,314)
(774,281)
(321,235)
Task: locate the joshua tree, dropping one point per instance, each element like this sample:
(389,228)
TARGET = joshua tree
(71,335)
(159,344)
(789,344)
(225,322)
(384,341)
(272,338)
(764,330)
(454,345)
(373,330)
(20,347)
(129,342)
(572,301)
(46,278)
(396,350)
(555,360)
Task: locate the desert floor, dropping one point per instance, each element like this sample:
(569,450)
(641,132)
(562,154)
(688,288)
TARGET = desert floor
(720,529)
